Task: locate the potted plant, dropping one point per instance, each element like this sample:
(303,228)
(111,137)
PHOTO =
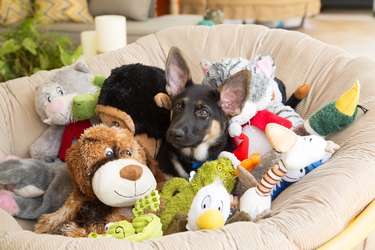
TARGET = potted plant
(26,49)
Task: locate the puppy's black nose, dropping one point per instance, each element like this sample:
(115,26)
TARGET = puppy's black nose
(176,134)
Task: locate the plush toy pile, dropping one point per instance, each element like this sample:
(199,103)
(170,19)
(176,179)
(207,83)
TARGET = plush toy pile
(110,172)
(266,103)
(111,184)
(66,103)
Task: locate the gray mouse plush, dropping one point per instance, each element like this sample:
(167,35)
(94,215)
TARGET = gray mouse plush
(33,187)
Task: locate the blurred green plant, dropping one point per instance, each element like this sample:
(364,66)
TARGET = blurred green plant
(26,48)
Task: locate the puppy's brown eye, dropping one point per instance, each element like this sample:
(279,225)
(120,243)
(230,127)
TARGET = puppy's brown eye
(203,112)
(115,124)
(128,152)
(109,153)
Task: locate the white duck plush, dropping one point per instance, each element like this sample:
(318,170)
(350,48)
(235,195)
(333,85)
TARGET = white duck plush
(296,151)
(210,208)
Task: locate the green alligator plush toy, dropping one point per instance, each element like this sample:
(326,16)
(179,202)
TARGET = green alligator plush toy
(144,225)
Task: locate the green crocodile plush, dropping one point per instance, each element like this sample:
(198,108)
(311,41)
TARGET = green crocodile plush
(144,225)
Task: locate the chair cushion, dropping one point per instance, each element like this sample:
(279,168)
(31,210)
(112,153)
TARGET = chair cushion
(13,11)
(64,10)
(134,10)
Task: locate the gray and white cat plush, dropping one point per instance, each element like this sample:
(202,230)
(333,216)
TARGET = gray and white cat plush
(54,105)
(265,88)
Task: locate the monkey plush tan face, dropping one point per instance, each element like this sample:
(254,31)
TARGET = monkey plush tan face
(108,163)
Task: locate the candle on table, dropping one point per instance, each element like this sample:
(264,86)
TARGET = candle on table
(88,42)
(111,32)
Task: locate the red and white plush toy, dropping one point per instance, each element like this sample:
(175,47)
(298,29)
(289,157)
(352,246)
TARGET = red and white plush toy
(267,95)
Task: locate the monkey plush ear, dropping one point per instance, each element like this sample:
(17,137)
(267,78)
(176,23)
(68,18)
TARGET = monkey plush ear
(235,92)
(163,100)
(112,116)
(177,72)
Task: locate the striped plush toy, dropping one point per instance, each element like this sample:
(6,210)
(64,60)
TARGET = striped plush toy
(296,153)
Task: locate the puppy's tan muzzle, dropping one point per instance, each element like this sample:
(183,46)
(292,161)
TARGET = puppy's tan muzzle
(131,172)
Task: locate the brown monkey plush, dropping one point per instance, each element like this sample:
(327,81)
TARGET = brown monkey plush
(110,172)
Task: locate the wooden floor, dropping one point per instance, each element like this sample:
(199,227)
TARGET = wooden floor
(352,30)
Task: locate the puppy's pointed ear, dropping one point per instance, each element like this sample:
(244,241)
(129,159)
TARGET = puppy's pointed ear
(177,72)
(235,92)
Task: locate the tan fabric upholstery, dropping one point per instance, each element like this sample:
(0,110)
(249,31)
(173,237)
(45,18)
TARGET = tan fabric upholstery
(305,215)
(259,10)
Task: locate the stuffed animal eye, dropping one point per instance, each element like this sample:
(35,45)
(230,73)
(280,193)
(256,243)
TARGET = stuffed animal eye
(109,153)
(206,202)
(108,225)
(115,124)
(219,167)
(59,91)
(220,208)
(128,152)
(48,97)
(179,106)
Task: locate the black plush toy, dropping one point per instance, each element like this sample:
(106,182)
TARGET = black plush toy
(134,97)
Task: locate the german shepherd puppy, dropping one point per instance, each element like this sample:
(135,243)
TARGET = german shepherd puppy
(199,116)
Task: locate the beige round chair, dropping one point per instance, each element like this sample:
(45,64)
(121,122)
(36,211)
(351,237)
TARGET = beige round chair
(306,215)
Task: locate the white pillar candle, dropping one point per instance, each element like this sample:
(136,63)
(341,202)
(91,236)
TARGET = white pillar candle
(88,42)
(110,32)
(174,7)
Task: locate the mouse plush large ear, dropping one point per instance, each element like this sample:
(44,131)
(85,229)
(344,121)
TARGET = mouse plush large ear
(234,92)
(177,72)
